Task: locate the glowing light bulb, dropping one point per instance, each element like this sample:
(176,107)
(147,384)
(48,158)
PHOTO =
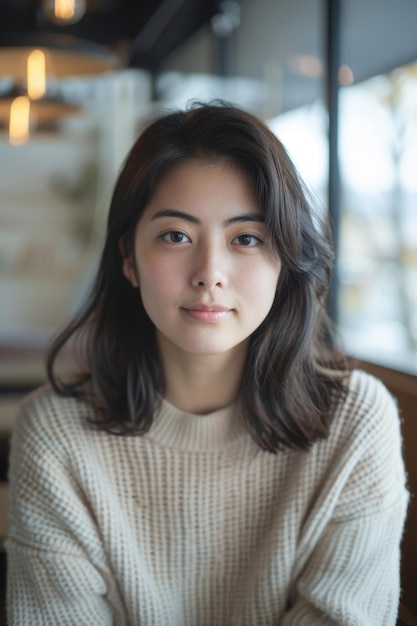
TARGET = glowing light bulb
(62,12)
(19,121)
(36,76)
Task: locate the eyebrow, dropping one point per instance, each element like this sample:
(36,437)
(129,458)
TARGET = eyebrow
(244,217)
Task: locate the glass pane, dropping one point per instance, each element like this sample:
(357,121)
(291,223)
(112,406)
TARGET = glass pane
(266,58)
(378,247)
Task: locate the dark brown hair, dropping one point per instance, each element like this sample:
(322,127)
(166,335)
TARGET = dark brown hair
(293,376)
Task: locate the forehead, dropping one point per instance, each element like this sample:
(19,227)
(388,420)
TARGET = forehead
(202,184)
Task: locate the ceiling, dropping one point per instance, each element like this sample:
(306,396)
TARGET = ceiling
(148,35)
(141,32)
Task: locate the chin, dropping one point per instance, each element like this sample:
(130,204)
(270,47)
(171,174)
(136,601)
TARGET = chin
(206,351)
(209,349)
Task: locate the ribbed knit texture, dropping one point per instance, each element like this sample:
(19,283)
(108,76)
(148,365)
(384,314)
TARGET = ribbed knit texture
(194,525)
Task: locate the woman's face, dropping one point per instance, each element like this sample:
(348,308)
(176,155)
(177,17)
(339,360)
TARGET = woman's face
(206,272)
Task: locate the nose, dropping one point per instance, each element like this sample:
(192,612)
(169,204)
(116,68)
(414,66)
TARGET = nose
(210,267)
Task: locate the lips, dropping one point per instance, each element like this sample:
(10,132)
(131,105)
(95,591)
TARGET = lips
(207,313)
(206,307)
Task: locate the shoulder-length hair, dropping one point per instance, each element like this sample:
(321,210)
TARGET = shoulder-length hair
(293,376)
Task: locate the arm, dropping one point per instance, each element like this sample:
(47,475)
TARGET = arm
(46,587)
(351,574)
(57,572)
(352,577)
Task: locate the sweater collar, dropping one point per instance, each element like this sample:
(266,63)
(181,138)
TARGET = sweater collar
(178,429)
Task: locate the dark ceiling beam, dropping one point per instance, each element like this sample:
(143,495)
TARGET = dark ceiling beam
(148,29)
(168,28)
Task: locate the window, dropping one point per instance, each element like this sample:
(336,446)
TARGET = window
(378,238)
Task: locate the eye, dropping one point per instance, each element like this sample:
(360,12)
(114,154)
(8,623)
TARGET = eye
(175,236)
(249,241)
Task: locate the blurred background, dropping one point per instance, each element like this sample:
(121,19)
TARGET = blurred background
(79,78)
(336,80)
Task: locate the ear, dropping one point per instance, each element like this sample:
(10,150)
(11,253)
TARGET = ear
(128,267)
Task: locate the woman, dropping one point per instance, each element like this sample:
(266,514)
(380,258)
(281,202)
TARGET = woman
(213,461)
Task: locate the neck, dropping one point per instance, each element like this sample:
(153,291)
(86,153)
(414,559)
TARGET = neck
(202,384)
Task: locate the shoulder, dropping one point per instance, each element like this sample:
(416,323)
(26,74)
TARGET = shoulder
(367,406)
(45,403)
(365,389)
(51,439)
(44,415)
(365,444)
(365,430)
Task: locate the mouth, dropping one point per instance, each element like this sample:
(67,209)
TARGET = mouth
(211,308)
(207,313)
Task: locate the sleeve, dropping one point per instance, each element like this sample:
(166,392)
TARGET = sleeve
(57,572)
(351,576)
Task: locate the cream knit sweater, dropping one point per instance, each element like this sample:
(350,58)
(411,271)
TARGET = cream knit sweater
(194,525)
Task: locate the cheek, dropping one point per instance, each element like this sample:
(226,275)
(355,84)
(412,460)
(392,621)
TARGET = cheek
(260,284)
(156,280)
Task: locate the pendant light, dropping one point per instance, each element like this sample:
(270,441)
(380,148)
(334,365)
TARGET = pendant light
(64,12)
(19,121)
(28,58)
